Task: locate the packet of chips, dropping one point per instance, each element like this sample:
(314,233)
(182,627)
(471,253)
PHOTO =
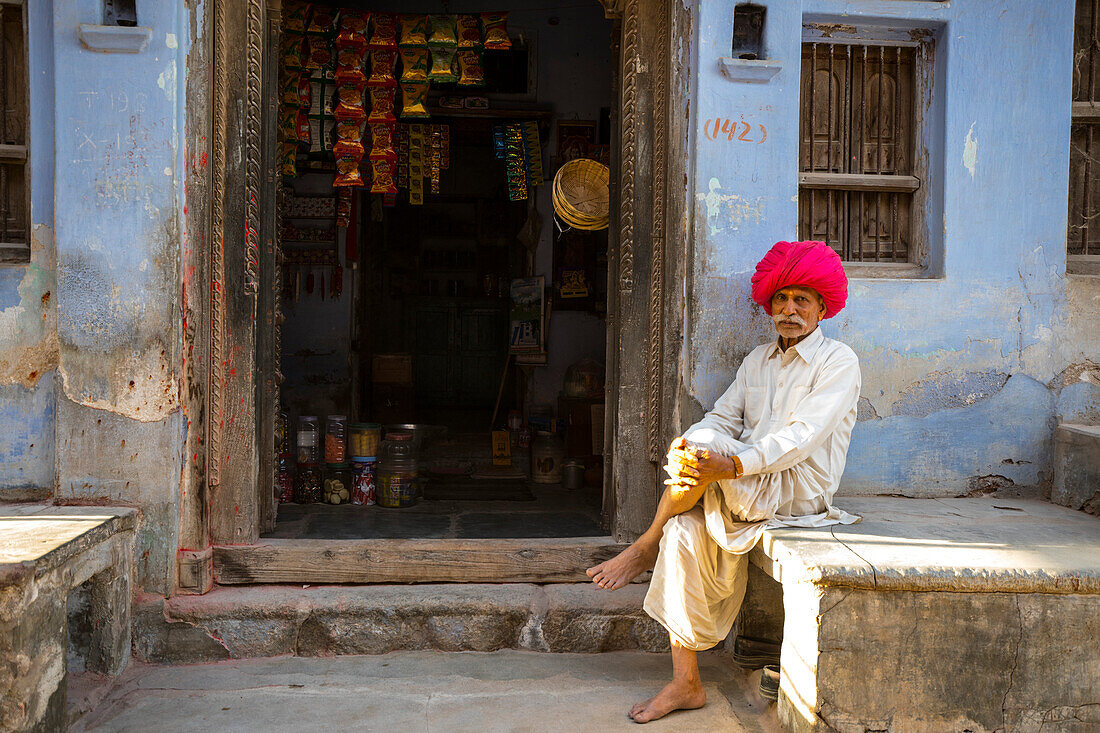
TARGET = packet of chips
(301,124)
(496,31)
(288,124)
(348,155)
(288,159)
(469,32)
(382,104)
(353,21)
(350,50)
(304,91)
(294,15)
(349,130)
(320,53)
(414,100)
(382,176)
(322,19)
(381,69)
(443,30)
(383,31)
(414,31)
(443,65)
(349,75)
(290,95)
(350,95)
(470,71)
(292,51)
(382,146)
(414,64)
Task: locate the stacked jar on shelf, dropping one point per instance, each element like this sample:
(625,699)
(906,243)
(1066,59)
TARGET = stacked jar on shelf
(307,489)
(337,481)
(364,440)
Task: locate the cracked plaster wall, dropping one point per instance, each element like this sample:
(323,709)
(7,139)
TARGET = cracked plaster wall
(119,122)
(966,372)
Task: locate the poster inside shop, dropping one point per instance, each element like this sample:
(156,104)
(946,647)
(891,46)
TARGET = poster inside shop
(527,316)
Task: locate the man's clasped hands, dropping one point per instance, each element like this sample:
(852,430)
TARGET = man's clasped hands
(689,467)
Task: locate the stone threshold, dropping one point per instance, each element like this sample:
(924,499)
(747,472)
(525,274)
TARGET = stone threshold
(273,620)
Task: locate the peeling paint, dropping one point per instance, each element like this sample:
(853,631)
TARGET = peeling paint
(729,209)
(970,150)
(28,330)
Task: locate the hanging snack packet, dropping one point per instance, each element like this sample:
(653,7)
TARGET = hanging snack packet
(384,31)
(469,32)
(304,91)
(443,65)
(349,75)
(349,130)
(353,21)
(496,31)
(350,51)
(381,69)
(414,31)
(301,123)
(320,53)
(350,94)
(414,64)
(414,100)
(288,124)
(382,141)
(292,51)
(289,93)
(470,72)
(381,104)
(348,155)
(294,15)
(322,19)
(383,170)
(444,31)
(288,163)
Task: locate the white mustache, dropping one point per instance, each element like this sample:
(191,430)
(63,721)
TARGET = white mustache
(797,320)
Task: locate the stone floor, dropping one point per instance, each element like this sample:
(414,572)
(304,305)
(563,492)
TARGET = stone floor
(555,512)
(419,691)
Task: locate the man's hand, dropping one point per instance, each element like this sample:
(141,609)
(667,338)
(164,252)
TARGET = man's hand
(687,467)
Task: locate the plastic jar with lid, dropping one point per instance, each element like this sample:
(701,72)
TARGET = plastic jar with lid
(336,439)
(398,472)
(547,455)
(307,439)
(364,439)
(337,485)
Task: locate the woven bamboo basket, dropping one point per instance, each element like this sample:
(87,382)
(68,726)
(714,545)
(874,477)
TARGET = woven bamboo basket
(580,194)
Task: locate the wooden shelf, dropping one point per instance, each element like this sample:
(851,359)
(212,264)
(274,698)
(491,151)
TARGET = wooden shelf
(491,113)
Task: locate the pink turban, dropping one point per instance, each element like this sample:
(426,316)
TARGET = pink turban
(809,264)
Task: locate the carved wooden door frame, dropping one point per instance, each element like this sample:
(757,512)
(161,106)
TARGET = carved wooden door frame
(232,299)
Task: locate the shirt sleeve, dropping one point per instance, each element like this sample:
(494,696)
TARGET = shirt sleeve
(720,429)
(832,396)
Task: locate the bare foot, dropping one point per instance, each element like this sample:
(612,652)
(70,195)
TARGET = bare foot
(677,695)
(624,567)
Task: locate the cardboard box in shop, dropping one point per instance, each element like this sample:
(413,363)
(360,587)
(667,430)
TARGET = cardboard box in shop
(392,369)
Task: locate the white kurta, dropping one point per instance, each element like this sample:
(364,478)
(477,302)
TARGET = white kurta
(788,417)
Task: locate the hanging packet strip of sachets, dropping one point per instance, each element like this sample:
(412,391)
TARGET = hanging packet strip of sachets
(496,31)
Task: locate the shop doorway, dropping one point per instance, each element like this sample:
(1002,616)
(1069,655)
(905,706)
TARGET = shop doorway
(443,297)
(239,298)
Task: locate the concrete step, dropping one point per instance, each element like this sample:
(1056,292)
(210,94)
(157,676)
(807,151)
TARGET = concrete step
(425,691)
(272,620)
(1077,467)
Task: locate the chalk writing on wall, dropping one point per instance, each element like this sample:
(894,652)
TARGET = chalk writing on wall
(728,129)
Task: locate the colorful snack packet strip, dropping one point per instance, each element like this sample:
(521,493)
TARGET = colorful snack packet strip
(496,31)
(469,32)
(381,68)
(470,71)
(414,31)
(382,104)
(444,31)
(414,100)
(443,65)
(414,64)
(383,31)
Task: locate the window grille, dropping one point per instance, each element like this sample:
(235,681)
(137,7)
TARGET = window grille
(14,241)
(1083,235)
(857,133)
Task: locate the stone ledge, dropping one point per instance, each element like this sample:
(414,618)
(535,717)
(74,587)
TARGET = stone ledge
(963,545)
(265,621)
(44,536)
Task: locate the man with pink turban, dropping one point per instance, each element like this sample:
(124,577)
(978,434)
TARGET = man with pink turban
(770,454)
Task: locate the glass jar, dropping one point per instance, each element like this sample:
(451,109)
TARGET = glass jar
(398,472)
(365,438)
(337,486)
(363,475)
(284,481)
(282,435)
(307,439)
(336,439)
(308,488)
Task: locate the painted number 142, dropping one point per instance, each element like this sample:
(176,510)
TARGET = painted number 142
(717,127)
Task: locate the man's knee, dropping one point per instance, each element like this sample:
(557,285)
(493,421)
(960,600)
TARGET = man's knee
(687,529)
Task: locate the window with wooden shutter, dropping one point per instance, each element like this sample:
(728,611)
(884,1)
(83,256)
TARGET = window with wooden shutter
(14,193)
(1083,235)
(858,179)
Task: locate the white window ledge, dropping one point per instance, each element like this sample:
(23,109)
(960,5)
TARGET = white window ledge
(899,270)
(114,38)
(1083,265)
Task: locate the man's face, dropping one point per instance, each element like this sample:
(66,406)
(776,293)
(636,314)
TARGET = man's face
(796,311)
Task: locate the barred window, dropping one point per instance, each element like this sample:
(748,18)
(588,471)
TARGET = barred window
(857,141)
(14,194)
(1083,235)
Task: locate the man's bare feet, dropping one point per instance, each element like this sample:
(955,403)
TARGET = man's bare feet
(624,567)
(677,695)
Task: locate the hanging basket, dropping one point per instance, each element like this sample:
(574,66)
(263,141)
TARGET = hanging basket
(580,194)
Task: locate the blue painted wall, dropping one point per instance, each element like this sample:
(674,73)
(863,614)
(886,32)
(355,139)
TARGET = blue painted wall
(967,369)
